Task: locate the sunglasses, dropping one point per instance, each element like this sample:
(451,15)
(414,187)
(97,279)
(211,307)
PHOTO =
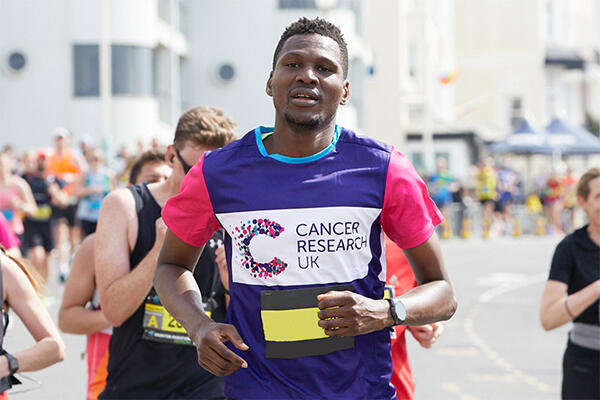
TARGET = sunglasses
(186,166)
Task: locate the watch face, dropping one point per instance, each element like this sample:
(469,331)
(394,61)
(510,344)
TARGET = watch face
(400,311)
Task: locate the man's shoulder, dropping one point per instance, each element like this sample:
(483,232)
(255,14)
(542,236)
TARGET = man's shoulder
(119,200)
(365,142)
(240,145)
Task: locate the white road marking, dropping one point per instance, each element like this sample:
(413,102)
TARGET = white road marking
(502,284)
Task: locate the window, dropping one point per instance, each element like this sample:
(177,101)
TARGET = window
(132,70)
(86,75)
(418,161)
(516,110)
(412,59)
(297,4)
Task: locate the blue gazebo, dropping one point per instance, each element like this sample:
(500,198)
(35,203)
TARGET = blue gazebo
(525,139)
(570,139)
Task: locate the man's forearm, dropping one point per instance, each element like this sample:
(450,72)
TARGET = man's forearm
(79,320)
(428,303)
(123,297)
(180,295)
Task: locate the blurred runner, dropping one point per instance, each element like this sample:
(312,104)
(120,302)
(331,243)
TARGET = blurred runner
(92,187)
(66,165)
(74,315)
(441,184)
(8,239)
(552,200)
(38,237)
(486,193)
(16,198)
(569,186)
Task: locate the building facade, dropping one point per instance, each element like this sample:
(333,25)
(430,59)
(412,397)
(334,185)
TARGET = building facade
(107,70)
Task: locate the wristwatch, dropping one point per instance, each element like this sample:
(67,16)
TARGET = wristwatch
(398,311)
(13,364)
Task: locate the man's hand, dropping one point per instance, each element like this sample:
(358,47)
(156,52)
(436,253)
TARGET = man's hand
(349,314)
(426,335)
(213,355)
(161,229)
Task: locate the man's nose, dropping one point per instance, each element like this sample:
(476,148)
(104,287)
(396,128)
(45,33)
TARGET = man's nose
(307,75)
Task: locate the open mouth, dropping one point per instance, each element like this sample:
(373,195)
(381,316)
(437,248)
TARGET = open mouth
(304,97)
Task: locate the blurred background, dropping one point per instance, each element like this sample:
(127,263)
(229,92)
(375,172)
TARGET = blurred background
(490,100)
(457,80)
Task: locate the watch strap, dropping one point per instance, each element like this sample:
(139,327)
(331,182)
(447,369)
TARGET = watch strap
(13,364)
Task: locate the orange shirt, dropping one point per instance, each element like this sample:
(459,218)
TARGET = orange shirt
(63,165)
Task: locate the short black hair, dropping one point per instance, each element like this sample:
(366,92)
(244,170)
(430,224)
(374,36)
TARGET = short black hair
(319,26)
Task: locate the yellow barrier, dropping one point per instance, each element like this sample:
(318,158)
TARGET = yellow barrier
(465,231)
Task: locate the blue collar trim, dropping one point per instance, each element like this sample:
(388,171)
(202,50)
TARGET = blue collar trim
(259,131)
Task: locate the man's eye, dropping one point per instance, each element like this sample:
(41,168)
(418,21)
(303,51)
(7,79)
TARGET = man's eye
(323,69)
(293,65)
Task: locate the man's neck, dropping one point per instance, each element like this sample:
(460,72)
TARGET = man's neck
(163,191)
(299,141)
(594,233)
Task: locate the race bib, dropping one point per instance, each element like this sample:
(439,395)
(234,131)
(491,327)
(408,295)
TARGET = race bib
(43,213)
(290,323)
(160,326)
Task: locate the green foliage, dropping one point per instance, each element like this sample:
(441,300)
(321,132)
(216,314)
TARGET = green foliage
(592,124)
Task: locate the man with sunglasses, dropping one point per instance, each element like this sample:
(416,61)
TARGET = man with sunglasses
(150,354)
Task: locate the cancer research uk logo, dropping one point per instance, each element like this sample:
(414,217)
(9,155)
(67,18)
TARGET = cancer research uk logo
(244,235)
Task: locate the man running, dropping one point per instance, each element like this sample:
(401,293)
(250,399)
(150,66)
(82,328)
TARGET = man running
(150,354)
(304,205)
(38,236)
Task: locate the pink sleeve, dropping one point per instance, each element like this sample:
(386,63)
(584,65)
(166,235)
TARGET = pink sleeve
(409,216)
(8,239)
(190,214)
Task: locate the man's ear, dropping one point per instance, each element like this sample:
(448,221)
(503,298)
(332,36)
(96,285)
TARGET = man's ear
(269,82)
(345,93)
(170,155)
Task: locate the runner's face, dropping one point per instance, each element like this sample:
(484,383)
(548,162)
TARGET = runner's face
(191,154)
(591,205)
(153,172)
(307,83)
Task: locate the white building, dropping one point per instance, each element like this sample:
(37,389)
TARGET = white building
(536,57)
(231,46)
(54,72)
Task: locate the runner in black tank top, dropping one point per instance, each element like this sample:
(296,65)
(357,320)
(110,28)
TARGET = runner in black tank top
(147,361)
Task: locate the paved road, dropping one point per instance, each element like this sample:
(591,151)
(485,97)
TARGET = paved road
(494,347)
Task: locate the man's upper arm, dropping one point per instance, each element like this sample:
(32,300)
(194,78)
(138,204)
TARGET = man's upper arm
(112,242)
(426,261)
(177,252)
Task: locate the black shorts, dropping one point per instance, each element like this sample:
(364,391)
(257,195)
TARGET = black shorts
(88,227)
(67,213)
(581,367)
(486,201)
(38,234)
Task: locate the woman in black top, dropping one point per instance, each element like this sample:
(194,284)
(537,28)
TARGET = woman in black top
(575,272)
